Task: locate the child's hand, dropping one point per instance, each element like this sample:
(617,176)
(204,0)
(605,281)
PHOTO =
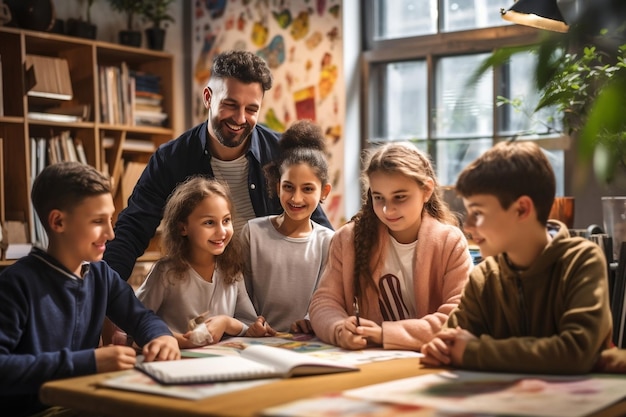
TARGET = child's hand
(199,336)
(447,348)
(437,352)
(217,327)
(612,360)
(260,328)
(162,348)
(114,358)
(371,331)
(458,345)
(348,337)
(185,340)
(301,326)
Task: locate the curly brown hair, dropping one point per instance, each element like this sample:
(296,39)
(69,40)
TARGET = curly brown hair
(243,66)
(183,200)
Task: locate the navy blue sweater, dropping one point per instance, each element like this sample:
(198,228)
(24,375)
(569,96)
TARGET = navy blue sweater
(171,164)
(51,324)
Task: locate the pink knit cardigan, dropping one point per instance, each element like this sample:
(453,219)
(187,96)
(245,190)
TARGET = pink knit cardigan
(442,267)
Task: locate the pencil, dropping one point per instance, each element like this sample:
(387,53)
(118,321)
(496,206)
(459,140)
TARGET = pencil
(356,311)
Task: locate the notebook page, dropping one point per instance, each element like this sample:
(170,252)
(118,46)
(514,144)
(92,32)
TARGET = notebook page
(211,369)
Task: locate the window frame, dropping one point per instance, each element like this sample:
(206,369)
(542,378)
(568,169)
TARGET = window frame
(431,48)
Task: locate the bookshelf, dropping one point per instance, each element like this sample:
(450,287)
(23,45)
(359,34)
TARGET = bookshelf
(71,70)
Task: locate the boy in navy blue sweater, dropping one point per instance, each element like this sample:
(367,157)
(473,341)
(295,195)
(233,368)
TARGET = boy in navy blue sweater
(53,302)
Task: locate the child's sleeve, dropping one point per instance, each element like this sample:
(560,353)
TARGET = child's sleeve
(127,312)
(327,309)
(244,310)
(582,326)
(245,253)
(152,291)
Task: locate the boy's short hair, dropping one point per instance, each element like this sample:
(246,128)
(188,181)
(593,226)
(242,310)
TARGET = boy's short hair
(65,185)
(508,171)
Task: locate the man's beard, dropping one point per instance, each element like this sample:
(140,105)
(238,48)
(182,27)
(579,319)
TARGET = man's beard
(229,140)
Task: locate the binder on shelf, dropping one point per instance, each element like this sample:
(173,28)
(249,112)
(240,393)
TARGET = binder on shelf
(48,77)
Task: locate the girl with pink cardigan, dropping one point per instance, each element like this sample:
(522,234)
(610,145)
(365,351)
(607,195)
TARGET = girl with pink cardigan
(397,269)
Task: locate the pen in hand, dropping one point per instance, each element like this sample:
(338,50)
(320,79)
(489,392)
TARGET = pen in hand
(355,305)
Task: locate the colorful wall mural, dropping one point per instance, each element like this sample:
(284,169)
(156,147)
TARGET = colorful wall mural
(301,42)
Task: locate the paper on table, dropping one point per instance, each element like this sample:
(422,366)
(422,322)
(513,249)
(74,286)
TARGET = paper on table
(500,393)
(133,380)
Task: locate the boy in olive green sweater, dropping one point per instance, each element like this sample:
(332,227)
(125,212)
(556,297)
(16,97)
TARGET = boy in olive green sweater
(538,303)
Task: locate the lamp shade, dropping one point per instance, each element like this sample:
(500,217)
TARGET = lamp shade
(542,14)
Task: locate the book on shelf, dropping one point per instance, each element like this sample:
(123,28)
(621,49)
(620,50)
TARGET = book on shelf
(132,172)
(16,238)
(48,77)
(255,362)
(155,108)
(1,90)
(138,145)
(51,117)
(147,99)
(149,118)
(17,250)
(38,154)
(80,151)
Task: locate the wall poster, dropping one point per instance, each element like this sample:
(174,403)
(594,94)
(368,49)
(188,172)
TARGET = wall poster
(301,42)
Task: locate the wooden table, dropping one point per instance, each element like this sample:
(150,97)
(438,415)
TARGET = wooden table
(83,394)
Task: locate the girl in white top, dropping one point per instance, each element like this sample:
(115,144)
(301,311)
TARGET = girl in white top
(199,282)
(285,254)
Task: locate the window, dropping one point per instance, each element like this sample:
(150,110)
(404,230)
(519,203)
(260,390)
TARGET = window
(419,56)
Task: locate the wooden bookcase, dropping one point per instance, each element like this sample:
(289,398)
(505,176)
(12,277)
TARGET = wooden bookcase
(84,57)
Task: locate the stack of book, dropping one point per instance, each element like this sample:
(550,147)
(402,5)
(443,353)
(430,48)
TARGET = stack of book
(48,77)
(148,110)
(130,97)
(46,151)
(50,93)
(117,88)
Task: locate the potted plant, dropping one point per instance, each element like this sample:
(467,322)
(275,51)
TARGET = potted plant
(156,12)
(83,28)
(583,74)
(130,8)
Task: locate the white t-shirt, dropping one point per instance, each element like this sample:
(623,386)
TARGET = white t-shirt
(235,174)
(177,301)
(282,272)
(396,283)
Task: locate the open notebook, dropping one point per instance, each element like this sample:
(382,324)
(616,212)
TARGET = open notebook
(255,362)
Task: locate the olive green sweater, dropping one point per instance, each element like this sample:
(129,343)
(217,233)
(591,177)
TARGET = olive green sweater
(553,318)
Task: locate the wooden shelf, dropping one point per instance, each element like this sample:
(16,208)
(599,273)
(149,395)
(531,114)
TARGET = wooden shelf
(83,57)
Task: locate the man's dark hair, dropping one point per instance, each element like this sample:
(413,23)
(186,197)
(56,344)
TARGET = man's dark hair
(243,66)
